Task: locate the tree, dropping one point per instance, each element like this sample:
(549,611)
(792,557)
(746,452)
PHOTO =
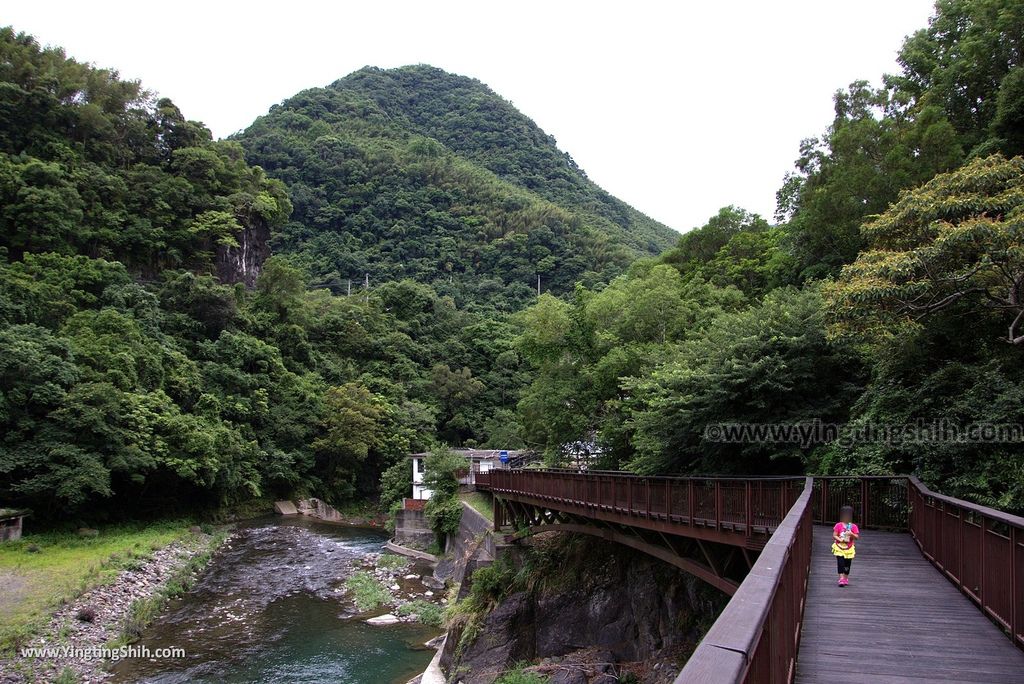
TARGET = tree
(395,484)
(351,428)
(441,476)
(958,240)
(961,59)
(441,472)
(770,363)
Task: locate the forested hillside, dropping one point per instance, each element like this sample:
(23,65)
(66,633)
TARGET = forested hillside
(133,380)
(418,173)
(888,295)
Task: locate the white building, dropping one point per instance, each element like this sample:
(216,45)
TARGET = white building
(477,461)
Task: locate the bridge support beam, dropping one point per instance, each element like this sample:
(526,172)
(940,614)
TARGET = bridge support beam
(720,565)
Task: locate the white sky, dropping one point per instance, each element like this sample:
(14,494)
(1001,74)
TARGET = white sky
(677,108)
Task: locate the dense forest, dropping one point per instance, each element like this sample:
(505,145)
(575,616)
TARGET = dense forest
(418,173)
(140,371)
(133,380)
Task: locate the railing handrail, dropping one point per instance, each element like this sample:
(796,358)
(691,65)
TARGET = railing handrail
(995,514)
(725,653)
(629,474)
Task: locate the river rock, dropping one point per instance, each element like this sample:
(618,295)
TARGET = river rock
(385,619)
(573,676)
(432,582)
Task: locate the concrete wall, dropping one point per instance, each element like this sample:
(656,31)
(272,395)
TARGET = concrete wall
(471,548)
(10,530)
(412,529)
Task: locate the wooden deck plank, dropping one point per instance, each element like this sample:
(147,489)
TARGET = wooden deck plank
(900,621)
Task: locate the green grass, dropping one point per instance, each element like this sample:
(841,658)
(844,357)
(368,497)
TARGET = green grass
(43,571)
(426,612)
(521,677)
(67,676)
(366,590)
(480,502)
(392,561)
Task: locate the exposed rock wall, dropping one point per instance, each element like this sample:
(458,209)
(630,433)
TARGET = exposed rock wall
(242,264)
(590,594)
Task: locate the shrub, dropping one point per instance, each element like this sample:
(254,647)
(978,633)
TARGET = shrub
(444,514)
(67,676)
(489,584)
(426,612)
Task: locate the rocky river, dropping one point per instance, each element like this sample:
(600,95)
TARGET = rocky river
(271,606)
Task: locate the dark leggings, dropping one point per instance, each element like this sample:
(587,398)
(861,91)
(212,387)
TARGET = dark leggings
(844,565)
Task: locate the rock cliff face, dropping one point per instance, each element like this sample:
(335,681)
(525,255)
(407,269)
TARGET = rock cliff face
(242,264)
(603,599)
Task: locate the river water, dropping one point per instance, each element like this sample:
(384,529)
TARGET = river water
(270,607)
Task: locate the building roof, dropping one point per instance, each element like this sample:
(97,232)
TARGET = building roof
(8,513)
(475,453)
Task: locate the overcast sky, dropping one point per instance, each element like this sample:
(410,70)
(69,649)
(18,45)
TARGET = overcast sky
(677,108)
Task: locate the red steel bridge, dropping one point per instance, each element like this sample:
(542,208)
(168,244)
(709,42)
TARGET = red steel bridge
(937,592)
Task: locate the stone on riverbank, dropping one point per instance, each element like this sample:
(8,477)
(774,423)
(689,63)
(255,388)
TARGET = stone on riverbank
(385,619)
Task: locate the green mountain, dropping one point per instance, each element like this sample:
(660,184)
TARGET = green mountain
(154,360)
(418,173)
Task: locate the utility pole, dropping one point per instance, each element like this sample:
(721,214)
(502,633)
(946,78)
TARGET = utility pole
(538,284)
(366,287)
(349,288)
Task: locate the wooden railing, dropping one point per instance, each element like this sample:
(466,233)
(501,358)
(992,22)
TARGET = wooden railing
(757,636)
(740,507)
(482,480)
(979,549)
(878,501)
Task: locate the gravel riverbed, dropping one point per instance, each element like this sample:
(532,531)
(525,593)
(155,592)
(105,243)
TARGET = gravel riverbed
(72,641)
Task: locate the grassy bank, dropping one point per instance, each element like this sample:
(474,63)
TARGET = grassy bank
(480,502)
(42,571)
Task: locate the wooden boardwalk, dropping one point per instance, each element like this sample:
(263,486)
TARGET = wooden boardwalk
(899,621)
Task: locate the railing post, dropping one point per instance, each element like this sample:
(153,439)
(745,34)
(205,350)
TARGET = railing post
(689,499)
(864,502)
(960,523)
(718,504)
(1014,586)
(749,509)
(647,487)
(981,559)
(781,505)
(668,500)
(824,500)
(629,495)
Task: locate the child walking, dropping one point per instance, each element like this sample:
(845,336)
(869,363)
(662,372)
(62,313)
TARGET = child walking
(844,539)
